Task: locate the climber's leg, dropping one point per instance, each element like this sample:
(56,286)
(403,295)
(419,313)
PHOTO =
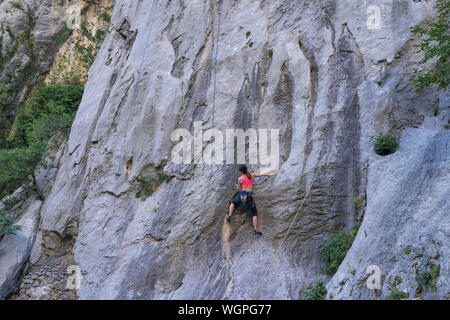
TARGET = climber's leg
(235,203)
(251,205)
(255,223)
(230,212)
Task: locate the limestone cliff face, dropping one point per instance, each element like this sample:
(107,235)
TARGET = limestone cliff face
(292,66)
(48,40)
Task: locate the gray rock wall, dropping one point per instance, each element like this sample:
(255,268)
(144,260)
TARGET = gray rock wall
(319,51)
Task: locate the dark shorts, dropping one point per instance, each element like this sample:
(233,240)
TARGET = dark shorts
(249,203)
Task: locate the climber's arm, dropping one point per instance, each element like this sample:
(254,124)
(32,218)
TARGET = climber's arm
(240,182)
(265,173)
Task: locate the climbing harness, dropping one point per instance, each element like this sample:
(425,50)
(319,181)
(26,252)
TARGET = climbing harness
(244,194)
(333,140)
(182,274)
(119,166)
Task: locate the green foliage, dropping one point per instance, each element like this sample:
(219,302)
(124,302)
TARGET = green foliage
(16,5)
(408,250)
(11,202)
(7,225)
(63,35)
(397,295)
(384,144)
(49,111)
(427,274)
(17,165)
(85,32)
(148,185)
(105,16)
(335,250)
(435,45)
(270,53)
(87,54)
(316,291)
(17,73)
(89,51)
(397,280)
(100,35)
(247,34)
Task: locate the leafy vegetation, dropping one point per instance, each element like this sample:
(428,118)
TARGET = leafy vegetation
(62,36)
(316,291)
(105,16)
(18,165)
(384,144)
(48,112)
(148,185)
(397,295)
(18,72)
(435,45)
(427,275)
(89,51)
(7,225)
(335,250)
(16,5)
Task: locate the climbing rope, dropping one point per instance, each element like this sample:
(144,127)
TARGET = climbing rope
(333,140)
(197,231)
(119,165)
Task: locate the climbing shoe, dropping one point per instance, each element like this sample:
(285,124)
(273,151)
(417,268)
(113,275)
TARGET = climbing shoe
(228,218)
(257,233)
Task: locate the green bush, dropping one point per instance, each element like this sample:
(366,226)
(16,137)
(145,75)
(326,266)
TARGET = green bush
(316,291)
(7,225)
(148,185)
(397,295)
(335,250)
(436,47)
(63,35)
(105,16)
(427,274)
(384,144)
(48,112)
(17,166)
(16,5)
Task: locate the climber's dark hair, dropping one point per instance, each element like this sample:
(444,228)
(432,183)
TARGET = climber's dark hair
(243,168)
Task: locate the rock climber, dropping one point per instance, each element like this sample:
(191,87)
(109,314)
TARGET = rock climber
(245,196)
